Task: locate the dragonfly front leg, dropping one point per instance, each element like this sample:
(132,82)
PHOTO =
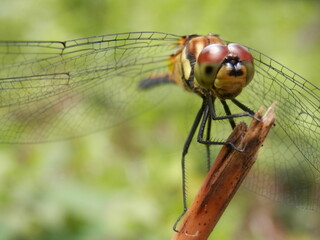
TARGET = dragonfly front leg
(200,139)
(209,115)
(248,112)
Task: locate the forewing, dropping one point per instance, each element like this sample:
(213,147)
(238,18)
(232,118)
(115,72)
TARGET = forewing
(58,90)
(288,165)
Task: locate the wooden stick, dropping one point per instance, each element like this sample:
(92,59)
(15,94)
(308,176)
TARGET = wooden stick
(224,178)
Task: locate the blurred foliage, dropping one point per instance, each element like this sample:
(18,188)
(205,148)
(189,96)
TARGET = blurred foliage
(125,182)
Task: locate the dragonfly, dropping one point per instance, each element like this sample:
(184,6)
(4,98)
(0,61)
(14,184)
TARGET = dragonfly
(53,90)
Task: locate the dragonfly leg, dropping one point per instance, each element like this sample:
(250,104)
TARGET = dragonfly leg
(228,112)
(206,117)
(248,113)
(208,136)
(242,106)
(203,118)
(184,153)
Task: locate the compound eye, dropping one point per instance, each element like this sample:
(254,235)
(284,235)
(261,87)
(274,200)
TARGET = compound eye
(240,51)
(245,57)
(214,53)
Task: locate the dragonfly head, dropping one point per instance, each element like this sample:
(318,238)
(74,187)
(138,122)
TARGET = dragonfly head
(224,69)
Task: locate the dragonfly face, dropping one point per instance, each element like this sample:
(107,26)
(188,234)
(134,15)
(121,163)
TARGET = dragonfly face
(225,69)
(206,62)
(51,90)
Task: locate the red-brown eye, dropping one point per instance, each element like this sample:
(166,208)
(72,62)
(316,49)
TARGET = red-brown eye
(240,51)
(214,53)
(226,69)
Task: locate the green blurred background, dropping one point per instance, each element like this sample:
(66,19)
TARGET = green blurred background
(125,182)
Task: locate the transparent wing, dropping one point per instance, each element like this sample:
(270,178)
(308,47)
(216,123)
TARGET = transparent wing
(58,90)
(289,168)
(288,164)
